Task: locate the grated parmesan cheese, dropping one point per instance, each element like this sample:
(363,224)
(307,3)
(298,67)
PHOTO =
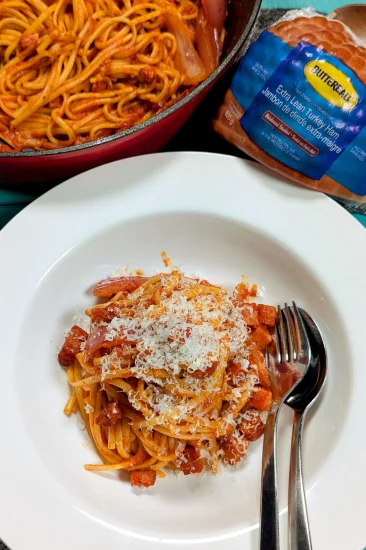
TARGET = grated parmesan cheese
(177,339)
(82,320)
(180,334)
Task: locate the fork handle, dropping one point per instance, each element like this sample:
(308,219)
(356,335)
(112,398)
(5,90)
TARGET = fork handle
(269,531)
(299,530)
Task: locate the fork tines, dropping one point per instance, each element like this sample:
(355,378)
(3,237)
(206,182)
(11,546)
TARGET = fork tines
(290,334)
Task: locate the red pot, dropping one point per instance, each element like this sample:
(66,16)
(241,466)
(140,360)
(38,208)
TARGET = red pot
(149,137)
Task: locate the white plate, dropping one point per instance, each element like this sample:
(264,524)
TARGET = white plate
(219,216)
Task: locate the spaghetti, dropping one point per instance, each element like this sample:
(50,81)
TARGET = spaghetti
(73,71)
(171,374)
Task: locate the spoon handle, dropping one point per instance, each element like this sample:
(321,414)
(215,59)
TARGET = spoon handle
(299,530)
(269,532)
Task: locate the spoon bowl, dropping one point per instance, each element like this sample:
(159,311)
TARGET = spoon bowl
(300,399)
(303,394)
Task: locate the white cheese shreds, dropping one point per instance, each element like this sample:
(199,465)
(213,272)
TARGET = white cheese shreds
(184,334)
(105,364)
(178,334)
(82,320)
(179,448)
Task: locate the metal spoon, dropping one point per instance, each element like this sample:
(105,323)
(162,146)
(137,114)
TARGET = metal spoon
(300,400)
(354,17)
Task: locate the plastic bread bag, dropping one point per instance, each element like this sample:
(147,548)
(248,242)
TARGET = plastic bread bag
(297,104)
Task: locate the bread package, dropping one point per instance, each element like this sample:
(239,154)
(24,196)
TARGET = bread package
(297,104)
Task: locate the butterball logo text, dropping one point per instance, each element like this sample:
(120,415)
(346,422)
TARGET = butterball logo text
(332,84)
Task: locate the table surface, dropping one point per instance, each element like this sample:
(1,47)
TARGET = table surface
(196,135)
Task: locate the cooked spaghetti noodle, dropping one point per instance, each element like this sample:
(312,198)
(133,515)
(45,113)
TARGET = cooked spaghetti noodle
(73,71)
(171,374)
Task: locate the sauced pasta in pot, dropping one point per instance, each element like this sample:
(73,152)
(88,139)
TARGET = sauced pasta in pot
(73,71)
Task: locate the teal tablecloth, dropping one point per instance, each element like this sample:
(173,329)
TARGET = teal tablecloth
(325,6)
(13,202)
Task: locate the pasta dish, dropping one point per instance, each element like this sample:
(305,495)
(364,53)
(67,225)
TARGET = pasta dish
(72,71)
(171,374)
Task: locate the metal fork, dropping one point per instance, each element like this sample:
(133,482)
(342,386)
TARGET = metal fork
(287,359)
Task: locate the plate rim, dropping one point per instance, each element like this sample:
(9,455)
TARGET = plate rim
(16,226)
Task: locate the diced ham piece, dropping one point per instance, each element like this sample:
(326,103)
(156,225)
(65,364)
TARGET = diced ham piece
(235,373)
(250,314)
(192,463)
(252,427)
(147,75)
(234,449)
(104,312)
(109,415)
(29,41)
(260,399)
(72,346)
(99,87)
(244,291)
(142,478)
(256,358)
(261,337)
(267,315)
(99,338)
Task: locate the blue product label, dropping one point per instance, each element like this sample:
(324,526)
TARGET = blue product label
(257,66)
(305,108)
(350,168)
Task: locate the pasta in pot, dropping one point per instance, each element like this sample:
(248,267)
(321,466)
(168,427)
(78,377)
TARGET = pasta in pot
(73,71)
